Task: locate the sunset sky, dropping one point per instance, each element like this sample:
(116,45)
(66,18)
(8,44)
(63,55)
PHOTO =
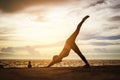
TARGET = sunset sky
(38,29)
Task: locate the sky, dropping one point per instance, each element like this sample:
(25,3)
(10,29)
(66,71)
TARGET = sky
(38,29)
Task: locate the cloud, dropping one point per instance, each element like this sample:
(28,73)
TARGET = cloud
(5,33)
(114,18)
(103,43)
(16,5)
(4,38)
(104,50)
(99,37)
(56,44)
(32,50)
(12,50)
(29,50)
(116,37)
(41,19)
(5,55)
(95,3)
(116,6)
(7,50)
(6,30)
(111,28)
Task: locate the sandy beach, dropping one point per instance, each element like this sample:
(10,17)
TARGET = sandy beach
(62,73)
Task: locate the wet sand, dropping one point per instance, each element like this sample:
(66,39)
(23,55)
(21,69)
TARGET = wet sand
(61,73)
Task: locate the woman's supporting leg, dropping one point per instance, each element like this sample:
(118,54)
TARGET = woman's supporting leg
(76,49)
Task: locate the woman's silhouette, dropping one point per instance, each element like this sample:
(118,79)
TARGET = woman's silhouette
(70,44)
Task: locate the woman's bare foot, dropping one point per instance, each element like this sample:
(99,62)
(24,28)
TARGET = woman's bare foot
(86,66)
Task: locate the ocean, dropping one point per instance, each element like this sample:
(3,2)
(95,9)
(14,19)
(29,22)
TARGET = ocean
(20,63)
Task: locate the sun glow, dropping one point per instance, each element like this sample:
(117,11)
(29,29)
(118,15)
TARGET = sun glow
(28,33)
(29,27)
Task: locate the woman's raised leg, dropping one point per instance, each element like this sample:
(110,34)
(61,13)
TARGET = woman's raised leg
(76,32)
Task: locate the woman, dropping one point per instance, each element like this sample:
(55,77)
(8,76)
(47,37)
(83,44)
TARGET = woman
(70,44)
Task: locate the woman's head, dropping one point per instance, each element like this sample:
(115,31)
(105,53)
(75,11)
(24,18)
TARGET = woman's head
(55,57)
(55,60)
